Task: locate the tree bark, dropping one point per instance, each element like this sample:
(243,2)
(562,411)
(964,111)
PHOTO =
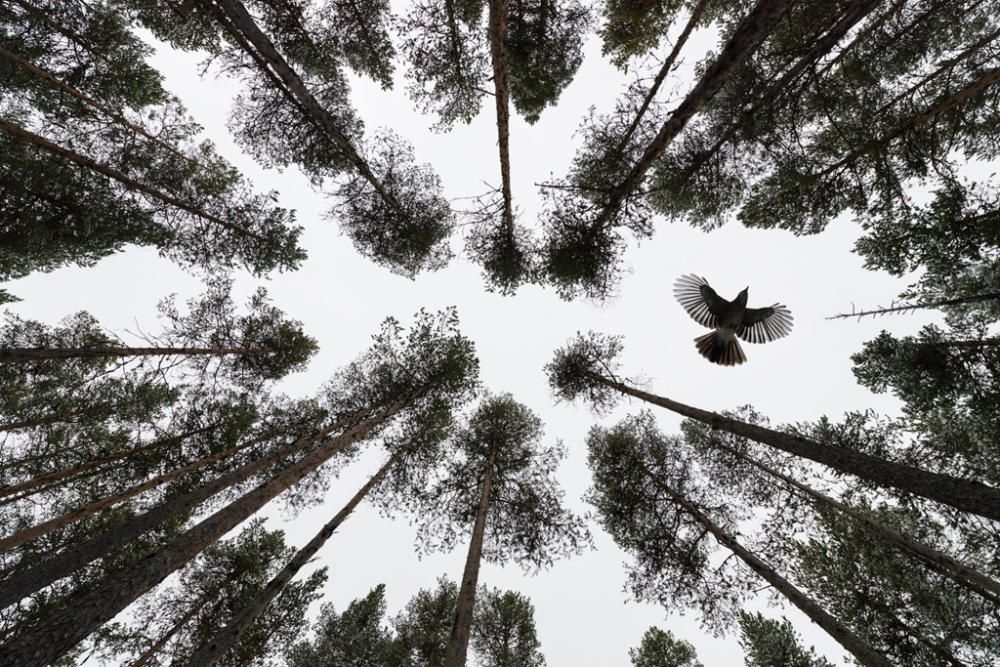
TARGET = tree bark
(215,648)
(91,102)
(458,642)
(961,574)
(962,494)
(989,296)
(86,612)
(168,635)
(32,354)
(75,471)
(668,64)
(864,653)
(115,175)
(299,93)
(46,527)
(751,31)
(33,578)
(501,86)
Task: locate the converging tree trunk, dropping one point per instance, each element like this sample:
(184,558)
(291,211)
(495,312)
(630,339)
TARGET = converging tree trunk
(501,74)
(87,611)
(965,495)
(213,650)
(864,653)
(458,642)
(158,645)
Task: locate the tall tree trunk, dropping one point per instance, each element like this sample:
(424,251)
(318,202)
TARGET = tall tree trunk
(751,31)
(86,612)
(961,574)
(47,479)
(35,577)
(783,86)
(81,513)
(458,642)
(127,181)
(295,88)
(668,64)
(31,354)
(216,647)
(864,653)
(962,494)
(501,86)
(169,634)
(91,102)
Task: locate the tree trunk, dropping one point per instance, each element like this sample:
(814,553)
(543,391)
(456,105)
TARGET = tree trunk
(754,28)
(168,635)
(668,64)
(32,354)
(128,182)
(962,494)
(49,570)
(40,421)
(48,478)
(91,102)
(294,87)
(458,642)
(864,653)
(961,574)
(783,86)
(86,612)
(976,298)
(501,86)
(79,514)
(215,648)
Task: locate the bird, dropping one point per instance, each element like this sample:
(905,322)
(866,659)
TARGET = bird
(730,319)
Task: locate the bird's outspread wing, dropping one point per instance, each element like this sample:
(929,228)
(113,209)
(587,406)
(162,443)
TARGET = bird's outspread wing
(762,325)
(699,300)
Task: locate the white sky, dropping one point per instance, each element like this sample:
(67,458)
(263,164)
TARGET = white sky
(584,616)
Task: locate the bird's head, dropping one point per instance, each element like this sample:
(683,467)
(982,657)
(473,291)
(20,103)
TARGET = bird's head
(744,295)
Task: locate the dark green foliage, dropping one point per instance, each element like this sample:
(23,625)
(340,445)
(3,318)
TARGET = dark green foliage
(544,46)
(572,369)
(659,648)
(357,636)
(526,522)
(503,633)
(422,628)
(634,27)
(407,240)
(769,642)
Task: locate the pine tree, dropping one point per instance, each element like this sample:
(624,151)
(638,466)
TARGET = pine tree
(586,368)
(498,481)
(771,643)
(655,503)
(503,634)
(423,627)
(357,636)
(659,648)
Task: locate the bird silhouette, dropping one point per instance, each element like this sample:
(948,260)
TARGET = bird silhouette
(729,319)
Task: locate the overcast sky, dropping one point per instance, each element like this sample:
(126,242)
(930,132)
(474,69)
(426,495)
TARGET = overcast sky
(584,616)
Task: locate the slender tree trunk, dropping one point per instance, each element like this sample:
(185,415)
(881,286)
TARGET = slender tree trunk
(169,634)
(33,354)
(864,653)
(961,574)
(668,64)
(299,94)
(79,514)
(751,31)
(783,86)
(91,102)
(862,36)
(33,578)
(501,86)
(958,98)
(962,494)
(455,38)
(86,612)
(904,308)
(48,478)
(128,182)
(40,421)
(215,648)
(458,642)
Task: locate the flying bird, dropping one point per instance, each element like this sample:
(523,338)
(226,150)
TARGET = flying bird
(729,319)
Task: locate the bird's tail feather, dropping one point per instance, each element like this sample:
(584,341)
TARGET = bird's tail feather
(720,348)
